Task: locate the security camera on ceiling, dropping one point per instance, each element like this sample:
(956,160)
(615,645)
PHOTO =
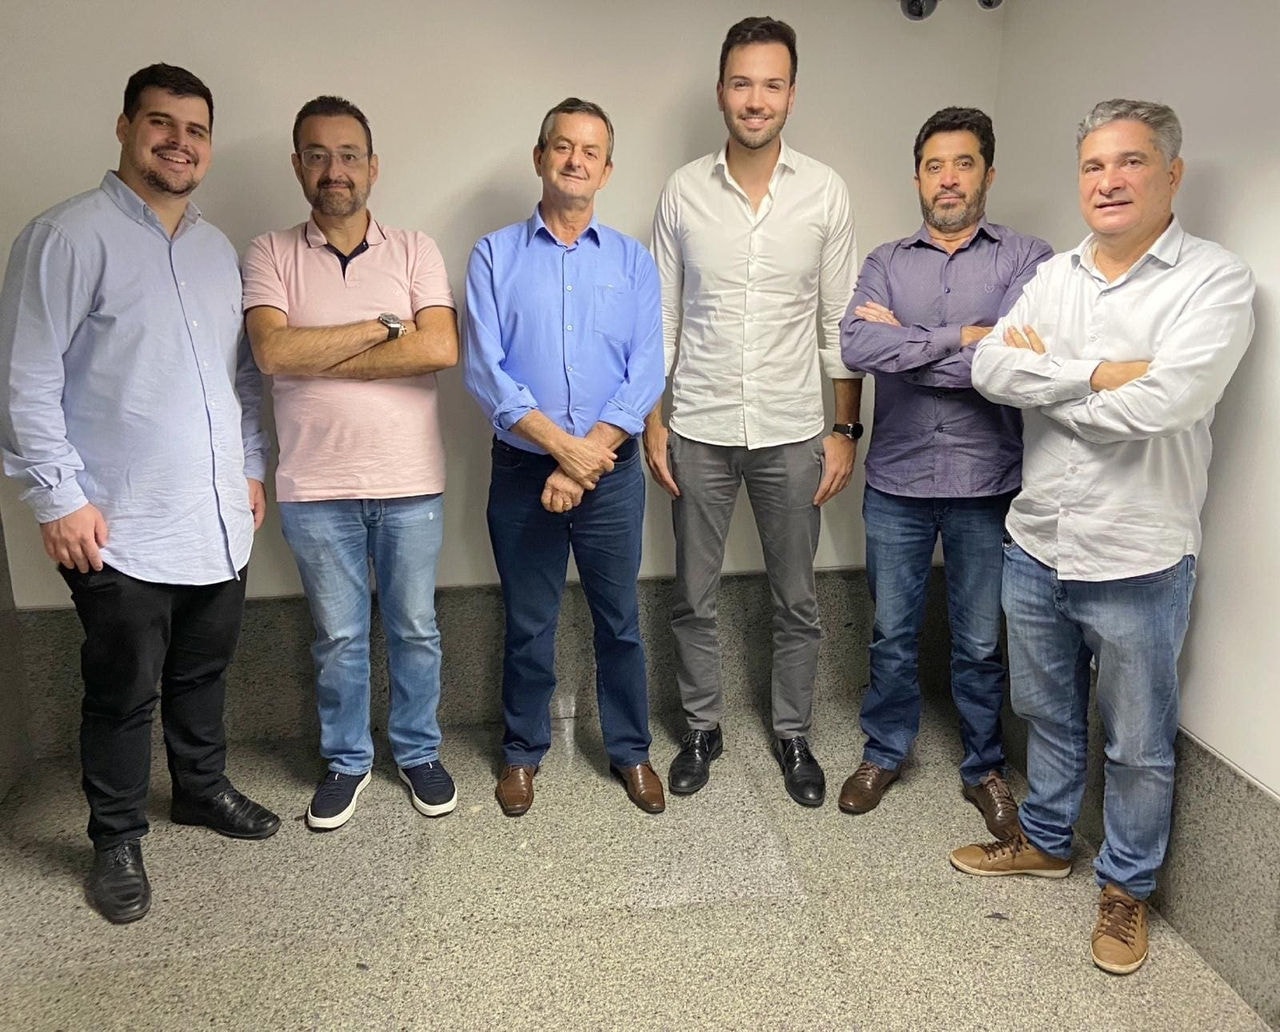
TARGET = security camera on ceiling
(918,10)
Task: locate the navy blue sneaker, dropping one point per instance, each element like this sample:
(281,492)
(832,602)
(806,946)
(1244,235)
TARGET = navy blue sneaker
(335,800)
(430,788)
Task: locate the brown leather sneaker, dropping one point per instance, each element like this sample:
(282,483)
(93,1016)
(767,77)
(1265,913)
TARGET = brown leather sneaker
(1120,936)
(515,789)
(644,787)
(864,787)
(1012,856)
(992,797)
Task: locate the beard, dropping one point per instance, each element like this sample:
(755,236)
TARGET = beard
(336,203)
(949,220)
(758,139)
(166,183)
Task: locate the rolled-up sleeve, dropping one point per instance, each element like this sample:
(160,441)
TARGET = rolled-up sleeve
(503,401)
(645,375)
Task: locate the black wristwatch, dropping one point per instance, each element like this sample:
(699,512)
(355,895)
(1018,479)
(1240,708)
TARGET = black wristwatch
(850,430)
(395,328)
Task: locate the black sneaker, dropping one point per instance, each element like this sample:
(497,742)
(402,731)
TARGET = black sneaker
(335,800)
(430,788)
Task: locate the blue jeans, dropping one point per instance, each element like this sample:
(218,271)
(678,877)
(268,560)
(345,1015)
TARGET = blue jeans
(531,550)
(901,533)
(333,543)
(1134,629)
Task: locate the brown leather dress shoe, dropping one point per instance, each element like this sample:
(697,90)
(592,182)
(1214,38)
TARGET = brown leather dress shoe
(644,787)
(864,787)
(515,789)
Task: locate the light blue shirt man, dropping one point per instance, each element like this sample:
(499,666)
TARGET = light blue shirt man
(103,380)
(572,331)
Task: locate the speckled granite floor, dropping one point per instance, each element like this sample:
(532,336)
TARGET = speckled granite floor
(736,909)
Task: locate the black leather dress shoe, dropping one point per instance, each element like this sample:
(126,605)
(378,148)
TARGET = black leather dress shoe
(804,779)
(228,813)
(692,765)
(117,885)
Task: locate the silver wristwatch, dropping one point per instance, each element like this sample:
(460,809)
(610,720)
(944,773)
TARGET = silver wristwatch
(395,328)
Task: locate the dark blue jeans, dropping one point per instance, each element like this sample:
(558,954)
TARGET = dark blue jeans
(901,534)
(531,549)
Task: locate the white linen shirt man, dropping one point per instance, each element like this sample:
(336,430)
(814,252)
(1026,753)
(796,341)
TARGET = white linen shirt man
(755,249)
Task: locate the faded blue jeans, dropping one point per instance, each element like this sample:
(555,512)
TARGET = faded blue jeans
(333,543)
(1133,628)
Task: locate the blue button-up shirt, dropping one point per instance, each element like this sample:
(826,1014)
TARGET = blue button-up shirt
(574,331)
(129,384)
(934,436)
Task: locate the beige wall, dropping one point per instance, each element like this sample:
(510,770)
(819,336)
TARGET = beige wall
(1215,63)
(455,93)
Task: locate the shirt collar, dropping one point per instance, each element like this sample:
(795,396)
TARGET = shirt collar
(786,159)
(1166,249)
(921,237)
(138,209)
(315,237)
(536,225)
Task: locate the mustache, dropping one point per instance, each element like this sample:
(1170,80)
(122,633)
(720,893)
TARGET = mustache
(336,182)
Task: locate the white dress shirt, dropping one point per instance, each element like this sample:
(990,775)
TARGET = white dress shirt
(744,293)
(1113,481)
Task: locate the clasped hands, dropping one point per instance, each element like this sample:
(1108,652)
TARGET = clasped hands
(582,462)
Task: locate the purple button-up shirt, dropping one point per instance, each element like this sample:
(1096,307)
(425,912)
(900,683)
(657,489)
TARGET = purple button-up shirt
(934,436)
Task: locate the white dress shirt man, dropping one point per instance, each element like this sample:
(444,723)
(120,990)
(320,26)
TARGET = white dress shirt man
(753,243)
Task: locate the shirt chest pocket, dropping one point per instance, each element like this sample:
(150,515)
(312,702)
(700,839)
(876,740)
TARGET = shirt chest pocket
(614,314)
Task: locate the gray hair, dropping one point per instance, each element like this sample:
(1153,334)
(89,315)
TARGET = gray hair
(1159,118)
(575,106)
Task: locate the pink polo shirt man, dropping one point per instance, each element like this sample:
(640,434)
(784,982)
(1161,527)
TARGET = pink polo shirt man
(351,438)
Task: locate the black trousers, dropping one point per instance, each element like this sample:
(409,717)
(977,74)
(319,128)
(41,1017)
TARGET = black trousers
(137,635)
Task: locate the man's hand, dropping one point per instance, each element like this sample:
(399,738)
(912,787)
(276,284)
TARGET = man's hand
(561,492)
(257,501)
(74,540)
(839,453)
(873,312)
(1110,375)
(583,459)
(655,439)
(1026,338)
(970,335)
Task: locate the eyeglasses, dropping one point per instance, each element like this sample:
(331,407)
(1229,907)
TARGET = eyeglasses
(318,157)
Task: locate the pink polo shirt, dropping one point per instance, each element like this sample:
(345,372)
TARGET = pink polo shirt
(351,438)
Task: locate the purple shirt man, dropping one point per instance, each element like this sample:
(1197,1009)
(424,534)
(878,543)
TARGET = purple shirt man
(942,462)
(935,436)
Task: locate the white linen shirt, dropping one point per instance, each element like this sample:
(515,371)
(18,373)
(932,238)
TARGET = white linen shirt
(744,293)
(1113,481)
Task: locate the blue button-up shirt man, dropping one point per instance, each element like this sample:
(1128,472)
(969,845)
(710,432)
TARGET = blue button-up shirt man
(564,355)
(943,461)
(131,422)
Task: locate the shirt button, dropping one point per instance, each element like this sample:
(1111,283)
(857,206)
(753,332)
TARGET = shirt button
(194,323)
(569,368)
(569,287)
(569,326)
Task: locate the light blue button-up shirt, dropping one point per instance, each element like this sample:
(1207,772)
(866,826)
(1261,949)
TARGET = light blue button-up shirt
(129,384)
(574,332)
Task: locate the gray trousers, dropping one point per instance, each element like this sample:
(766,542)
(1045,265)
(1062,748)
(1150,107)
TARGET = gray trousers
(781,482)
